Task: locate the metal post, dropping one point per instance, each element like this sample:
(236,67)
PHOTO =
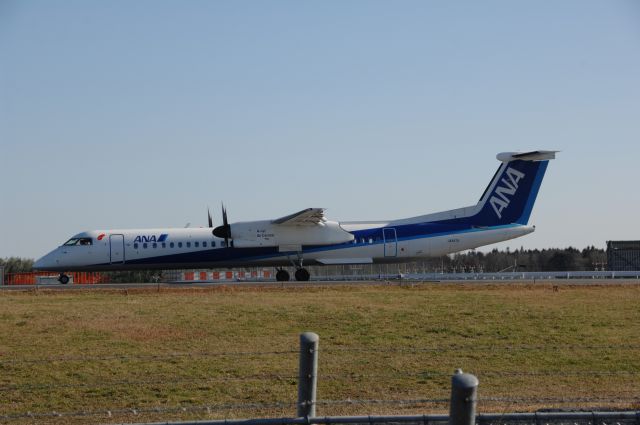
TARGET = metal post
(464,391)
(308,378)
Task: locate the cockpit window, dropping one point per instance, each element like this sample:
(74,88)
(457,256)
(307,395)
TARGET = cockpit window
(79,241)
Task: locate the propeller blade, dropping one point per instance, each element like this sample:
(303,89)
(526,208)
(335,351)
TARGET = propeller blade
(224,216)
(227,228)
(223,231)
(210,219)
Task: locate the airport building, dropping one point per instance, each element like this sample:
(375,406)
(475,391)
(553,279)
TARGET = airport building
(623,255)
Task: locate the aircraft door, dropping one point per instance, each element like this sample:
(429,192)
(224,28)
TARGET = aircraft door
(116,249)
(390,242)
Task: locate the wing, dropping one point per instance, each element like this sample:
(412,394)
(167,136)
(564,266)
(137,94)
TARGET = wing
(308,217)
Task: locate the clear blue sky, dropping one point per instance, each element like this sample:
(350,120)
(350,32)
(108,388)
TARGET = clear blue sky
(141,114)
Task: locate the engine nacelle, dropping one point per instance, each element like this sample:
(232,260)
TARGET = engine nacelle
(264,233)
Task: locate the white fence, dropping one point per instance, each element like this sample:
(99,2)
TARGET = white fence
(512,276)
(268,274)
(525,275)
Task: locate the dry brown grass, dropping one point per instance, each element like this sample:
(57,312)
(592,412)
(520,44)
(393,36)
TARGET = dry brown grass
(98,350)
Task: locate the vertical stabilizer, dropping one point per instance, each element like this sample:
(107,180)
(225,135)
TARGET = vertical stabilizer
(510,196)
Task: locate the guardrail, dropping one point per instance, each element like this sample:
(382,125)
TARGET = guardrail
(537,418)
(527,275)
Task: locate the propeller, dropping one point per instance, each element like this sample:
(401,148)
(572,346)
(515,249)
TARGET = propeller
(210,219)
(223,231)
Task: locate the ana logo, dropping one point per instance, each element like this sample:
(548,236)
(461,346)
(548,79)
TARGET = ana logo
(101,236)
(499,201)
(151,238)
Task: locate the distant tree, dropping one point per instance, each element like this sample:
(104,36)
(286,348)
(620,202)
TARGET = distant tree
(16,265)
(138,276)
(562,261)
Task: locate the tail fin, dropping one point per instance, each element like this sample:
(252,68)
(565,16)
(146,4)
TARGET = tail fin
(510,196)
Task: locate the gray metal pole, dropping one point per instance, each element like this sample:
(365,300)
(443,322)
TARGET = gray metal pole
(308,378)
(464,396)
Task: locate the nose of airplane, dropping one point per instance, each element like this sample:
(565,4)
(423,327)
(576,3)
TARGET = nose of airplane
(47,262)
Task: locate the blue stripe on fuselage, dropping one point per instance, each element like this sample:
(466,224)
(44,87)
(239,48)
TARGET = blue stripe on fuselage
(235,255)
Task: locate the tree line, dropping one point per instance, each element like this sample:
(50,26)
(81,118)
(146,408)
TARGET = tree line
(531,260)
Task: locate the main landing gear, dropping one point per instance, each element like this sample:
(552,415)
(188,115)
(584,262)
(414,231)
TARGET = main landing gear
(282,275)
(302,274)
(63,278)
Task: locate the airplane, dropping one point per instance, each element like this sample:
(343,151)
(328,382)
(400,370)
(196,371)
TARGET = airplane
(308,237)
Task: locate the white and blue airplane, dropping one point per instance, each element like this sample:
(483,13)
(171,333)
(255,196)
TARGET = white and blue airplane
(307,237)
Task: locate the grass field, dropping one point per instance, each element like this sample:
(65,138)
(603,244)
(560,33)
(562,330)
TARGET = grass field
(235,349)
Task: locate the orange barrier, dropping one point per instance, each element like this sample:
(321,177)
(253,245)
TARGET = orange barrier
(90,278)
(31,278)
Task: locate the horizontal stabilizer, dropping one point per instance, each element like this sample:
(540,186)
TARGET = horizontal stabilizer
(526,156)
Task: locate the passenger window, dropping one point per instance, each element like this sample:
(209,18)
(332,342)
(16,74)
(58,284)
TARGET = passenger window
(196,244)
(204,244)
(179,244)
(171,244)
(164,245)
(188,244)
(155,245)
(213,244)
(135,246)
(144,245)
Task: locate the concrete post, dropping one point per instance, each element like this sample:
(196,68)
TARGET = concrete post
(464,396)
(308,378)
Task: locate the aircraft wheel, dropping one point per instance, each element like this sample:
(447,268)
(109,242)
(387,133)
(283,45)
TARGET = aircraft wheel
(302,275)
(64,279)
(282,276)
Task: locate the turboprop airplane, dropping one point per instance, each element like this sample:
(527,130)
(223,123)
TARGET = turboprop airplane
(308,237)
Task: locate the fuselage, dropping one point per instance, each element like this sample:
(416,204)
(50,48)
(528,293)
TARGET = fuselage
(131,249)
